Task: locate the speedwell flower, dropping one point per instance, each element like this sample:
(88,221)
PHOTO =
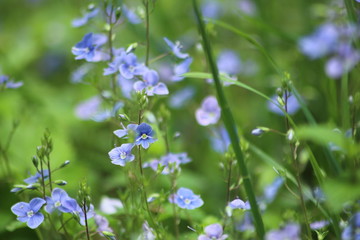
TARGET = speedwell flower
(185,198)
(29,212)
(121,155)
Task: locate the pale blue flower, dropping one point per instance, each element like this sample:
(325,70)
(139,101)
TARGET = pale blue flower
(176,49)
(91,13)
(29,212)
(56,201)
(170,162)
(185,198)
(209,113)
(151,84)
(179,98)
(292,105)
(144,135)
(130,67)
(352,231)
(239,204)
(180,69)
(121,155)
(213,232)
(229,62)
(5,81)
(290,231)
(34,178)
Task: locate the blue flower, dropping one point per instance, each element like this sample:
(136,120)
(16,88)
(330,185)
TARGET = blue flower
(292,105)
(91,13)
(131,15)
(220,140)
(144,135)
(180,69)
(272,189)
(213,232)
(290,231)
(102,224)
(29,212)
(56,202)
(4,81)
(34,178)
(121,155)
(211,9)
(170,162)
(130,68)
(185,198)
(319,224)
(75,209)
(151,84)
(239,204)
(209,113)
(176,49)
(87,48)
(179,98)
(352,231)
(229,62)
(321,42)
(119,56)
(124,132)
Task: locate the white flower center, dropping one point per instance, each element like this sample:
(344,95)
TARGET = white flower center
(144,136)
(122,155)
(30,213)
(187,201)
(57,204)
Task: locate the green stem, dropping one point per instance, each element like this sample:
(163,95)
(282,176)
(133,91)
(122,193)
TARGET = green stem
(345,118)
(147,19)
(42,178)
(176,217)
(48,165)
(86,221)
(230,127)
(110,39)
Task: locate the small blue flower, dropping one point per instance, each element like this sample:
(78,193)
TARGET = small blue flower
(75,209)
(144,135)
(239,204)
(151,84)
(229,62)
(180,69)
(319,224)
(179,98)
(131,15)
(34,178)
(29,212)
(4,81)
(91,13)
(170,162)
(271,190)
(176,49)
(130,68)
(102,224)
(121,155)
(290,231)
(211,9)
(87,48)
(220,140)
(209,113)
(292,105)
(321,42)
(352,231)
(56,202)
(185,198)
(119,56)
(213,232)
(124,132)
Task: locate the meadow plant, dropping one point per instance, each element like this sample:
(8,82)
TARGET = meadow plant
(205,128)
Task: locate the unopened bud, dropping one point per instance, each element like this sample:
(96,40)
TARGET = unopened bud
(60,182)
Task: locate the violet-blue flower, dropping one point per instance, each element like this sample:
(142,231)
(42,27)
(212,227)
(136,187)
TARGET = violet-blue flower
(87,48)
(220,140)
(56,201)
(121,155)
(130,67)
(271,190)
(91,13)
(290,231)
(229,62)
(211,9)
(352,231)
(131,15)
(176,48)
(213,232)
(321,42)
(292,105)
(185,198)
(29,212)
(151,84)
(179,98)
(209,113)
(319,224)
(34,178)
(102,224)
(180,69)
(5,81)
(119,56)
(75,209)
(144,135)
(239,204)
(170,162)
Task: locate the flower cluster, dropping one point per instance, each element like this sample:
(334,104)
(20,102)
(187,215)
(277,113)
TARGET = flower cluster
(168,163)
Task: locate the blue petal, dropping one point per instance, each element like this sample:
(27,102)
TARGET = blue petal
(36,203)
(35,220)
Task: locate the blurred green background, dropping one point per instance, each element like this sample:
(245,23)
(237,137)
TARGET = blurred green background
(36,37)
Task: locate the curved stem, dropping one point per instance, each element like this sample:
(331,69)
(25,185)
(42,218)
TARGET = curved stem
(147,19)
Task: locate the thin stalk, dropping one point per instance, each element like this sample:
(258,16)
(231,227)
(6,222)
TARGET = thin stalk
(147,25)
(110,39)
(228,191)
(86,221)
(345,118)
(176,217)
(297,168)
(42,178)
(159,57)
(230,127)
(48,165)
